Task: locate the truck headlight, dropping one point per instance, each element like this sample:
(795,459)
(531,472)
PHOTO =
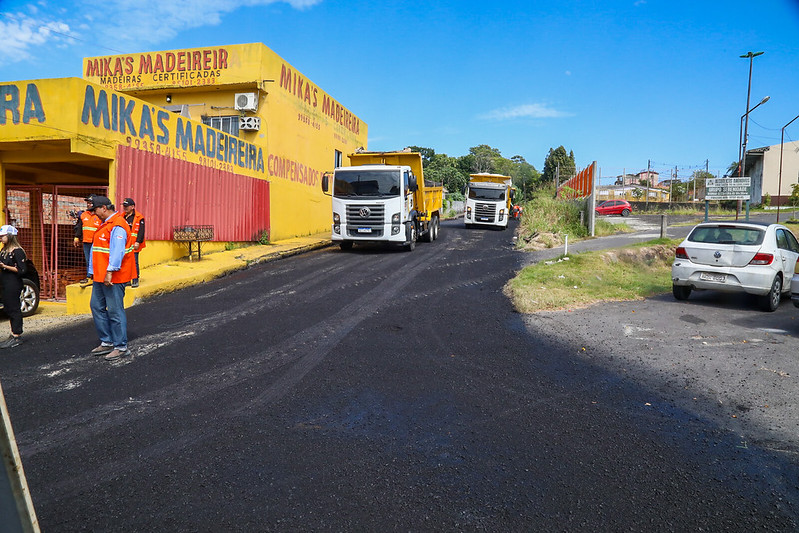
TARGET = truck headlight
(469,212)
(336,223)
(395,227)
(501,214)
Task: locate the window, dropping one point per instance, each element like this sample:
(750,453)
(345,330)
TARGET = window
(792,244)
(339,159)
(229,125)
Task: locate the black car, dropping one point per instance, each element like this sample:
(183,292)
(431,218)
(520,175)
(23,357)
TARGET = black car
(29,297)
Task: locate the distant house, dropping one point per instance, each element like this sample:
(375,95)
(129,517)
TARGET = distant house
(652,176)
(635,179)
(763,166)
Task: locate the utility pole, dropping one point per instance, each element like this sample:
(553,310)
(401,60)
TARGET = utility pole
(648,178)
(751,56)
(671,185)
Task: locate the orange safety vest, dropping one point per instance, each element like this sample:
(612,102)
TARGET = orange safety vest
(134,231)
(90,223)
(101,250)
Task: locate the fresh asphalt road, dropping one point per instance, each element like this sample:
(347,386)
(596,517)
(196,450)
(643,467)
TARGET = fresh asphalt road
(383,389)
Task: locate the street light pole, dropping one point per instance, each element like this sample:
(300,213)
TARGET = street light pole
(742,161)
(779,182)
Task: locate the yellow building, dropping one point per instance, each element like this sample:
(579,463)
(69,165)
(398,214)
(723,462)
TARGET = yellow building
(231,138)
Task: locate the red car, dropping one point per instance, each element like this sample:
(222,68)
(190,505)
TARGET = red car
(614,207)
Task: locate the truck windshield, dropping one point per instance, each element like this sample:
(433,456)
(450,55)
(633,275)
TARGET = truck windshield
(476,193)
(366,183)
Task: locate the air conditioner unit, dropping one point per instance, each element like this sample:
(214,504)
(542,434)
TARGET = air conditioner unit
(246,101)
(250,123)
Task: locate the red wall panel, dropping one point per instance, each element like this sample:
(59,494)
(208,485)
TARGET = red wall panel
(170,192)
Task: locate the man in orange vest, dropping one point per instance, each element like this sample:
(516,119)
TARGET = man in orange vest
(112,265)
(136,222)
(85,226)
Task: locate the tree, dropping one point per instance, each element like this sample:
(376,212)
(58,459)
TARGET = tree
(698,182)
(559,163)
(794,198)
(678,191)
(637,193)
(484,158)
(444,169)
(427,153)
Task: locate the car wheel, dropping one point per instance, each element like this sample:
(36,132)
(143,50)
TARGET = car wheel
(346,245)
(625,212)
(681,292)
(29,297)
(771,301)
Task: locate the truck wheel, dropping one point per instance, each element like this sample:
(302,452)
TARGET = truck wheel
(412,235)
(346,245)
(436,225)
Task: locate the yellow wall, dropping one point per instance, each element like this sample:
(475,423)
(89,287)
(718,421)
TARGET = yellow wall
(301,125)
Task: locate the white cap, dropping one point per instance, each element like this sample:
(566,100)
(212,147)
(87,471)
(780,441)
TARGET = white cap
(8,230)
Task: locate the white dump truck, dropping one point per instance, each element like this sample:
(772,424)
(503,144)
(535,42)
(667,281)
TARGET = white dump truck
(383,197)
(489,200)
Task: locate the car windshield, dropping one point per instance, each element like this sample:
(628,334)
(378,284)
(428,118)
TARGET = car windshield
(727,235)
(366,183)
(478,193)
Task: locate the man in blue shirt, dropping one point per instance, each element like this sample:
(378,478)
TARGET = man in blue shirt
(113,268)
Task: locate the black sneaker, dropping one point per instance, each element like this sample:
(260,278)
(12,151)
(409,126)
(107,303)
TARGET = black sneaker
(11,342)
(134,283)
(85,281)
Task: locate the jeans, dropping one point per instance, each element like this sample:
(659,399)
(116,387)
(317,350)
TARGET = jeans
(108,310)
(136,254)
(87,253)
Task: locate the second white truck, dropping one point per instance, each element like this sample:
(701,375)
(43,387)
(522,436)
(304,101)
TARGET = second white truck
(489,200)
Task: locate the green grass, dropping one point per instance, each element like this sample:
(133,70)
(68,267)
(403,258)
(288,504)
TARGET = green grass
(628,273)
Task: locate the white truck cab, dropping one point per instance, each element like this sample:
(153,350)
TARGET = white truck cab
(489,199)
(375,201)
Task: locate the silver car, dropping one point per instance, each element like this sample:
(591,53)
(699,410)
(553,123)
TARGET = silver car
(737,256)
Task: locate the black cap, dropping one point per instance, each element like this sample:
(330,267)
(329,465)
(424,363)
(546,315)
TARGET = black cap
(99,201)
(128,201)
(89,198)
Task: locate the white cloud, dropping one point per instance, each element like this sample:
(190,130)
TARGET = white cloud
(524,111)
(161,20)
(124,26)
(21,33)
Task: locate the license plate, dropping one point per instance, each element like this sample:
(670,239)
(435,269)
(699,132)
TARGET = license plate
(364,230)
(706,276)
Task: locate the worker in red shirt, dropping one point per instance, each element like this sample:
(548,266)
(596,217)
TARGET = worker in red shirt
(85,227)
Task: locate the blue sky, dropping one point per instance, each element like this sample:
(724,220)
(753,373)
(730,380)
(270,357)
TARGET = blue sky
(618,81)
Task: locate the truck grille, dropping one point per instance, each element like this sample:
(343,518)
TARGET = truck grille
(365,220)
(484,212)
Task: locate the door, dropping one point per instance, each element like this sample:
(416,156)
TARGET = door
(45,218)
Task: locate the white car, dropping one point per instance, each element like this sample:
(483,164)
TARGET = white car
(737,256)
